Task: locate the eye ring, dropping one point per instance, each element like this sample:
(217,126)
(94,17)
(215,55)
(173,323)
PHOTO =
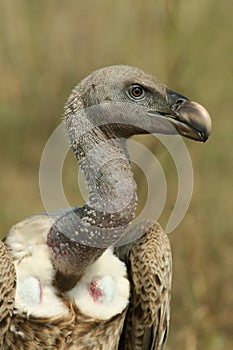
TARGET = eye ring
(136,92)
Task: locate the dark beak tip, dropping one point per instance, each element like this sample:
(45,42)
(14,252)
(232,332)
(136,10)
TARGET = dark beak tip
(204,137)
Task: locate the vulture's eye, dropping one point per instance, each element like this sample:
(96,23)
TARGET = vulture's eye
(136,92)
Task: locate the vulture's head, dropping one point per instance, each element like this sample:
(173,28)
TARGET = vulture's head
(123,101)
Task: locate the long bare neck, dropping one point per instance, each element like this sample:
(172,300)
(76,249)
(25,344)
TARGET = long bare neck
(87,231)
(112,189)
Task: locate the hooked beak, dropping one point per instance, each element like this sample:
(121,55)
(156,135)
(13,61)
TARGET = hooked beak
(188,117)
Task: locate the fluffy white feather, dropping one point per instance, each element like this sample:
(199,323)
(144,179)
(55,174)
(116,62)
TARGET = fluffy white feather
(35,294)
(110,274)
(28,233)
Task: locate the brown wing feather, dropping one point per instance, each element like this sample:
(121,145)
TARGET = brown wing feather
(7,290)
(149,264)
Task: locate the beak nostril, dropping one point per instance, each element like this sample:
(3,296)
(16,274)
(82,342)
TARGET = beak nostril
(180,101)
(175,100)
(178,104)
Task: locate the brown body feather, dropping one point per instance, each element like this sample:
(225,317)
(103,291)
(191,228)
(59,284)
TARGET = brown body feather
(76,332)
(7,290)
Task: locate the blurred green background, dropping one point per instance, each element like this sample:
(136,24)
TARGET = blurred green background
(46,47)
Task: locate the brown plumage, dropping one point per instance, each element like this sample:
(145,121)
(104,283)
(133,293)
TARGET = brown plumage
(149,264)
(75,332)
(7,290)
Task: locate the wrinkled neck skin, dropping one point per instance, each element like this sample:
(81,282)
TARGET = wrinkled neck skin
(78,238)
(112,189)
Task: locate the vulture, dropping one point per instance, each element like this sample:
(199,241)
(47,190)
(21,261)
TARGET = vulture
(87,277)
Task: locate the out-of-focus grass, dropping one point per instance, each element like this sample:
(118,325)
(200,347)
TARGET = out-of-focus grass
(46,47)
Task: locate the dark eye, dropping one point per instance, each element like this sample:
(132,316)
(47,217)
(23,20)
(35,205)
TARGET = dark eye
(136,92)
